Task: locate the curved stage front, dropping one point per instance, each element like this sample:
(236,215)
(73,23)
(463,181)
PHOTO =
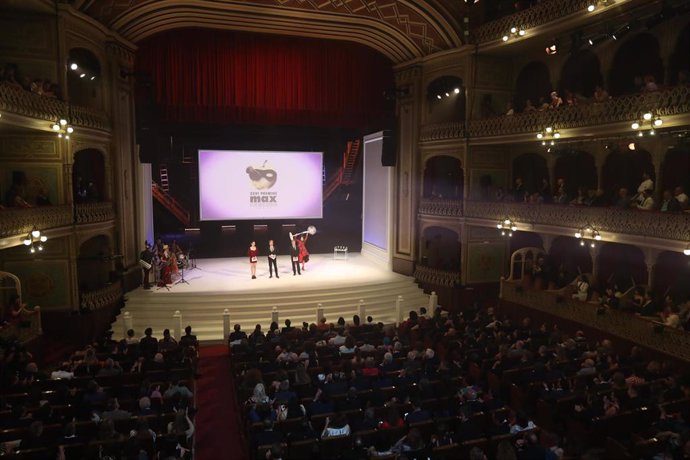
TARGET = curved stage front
(219,284)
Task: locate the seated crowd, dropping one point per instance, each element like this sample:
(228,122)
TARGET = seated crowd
(9,75)
(127,399)
(451,385)
(675,200)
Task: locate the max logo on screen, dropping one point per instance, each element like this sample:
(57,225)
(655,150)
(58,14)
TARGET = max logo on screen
(262,178)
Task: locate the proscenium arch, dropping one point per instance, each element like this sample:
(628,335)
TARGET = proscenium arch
(150,18)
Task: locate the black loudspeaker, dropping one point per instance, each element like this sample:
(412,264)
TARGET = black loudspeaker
(389,148)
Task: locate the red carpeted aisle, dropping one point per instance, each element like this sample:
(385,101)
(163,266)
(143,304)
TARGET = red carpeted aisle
(218,427)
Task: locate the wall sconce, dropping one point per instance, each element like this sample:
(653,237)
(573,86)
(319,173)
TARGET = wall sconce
(596,3)
(650,118)
(514,32)
(62,127)
(686,251)
(548,136)
(34,240)
(588,232)
(507,227)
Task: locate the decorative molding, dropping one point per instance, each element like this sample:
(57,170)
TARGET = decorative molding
(440,207)
(89,213)
(442,131)
(674,342)
(100,298)
(667,226)
(21,102)
(436,277)
(19,222)
(541,13)
(673,101)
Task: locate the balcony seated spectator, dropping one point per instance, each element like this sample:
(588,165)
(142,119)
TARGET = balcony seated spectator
(669,203)
(529,107)
(649,84)
(519,191)
(561,193)
(556,100)
(600,94)
(681,197)
(581,289)
(623,200)
(543,105)
(646,201)
(646,184)
(570,98)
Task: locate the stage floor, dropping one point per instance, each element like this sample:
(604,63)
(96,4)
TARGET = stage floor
(228,275)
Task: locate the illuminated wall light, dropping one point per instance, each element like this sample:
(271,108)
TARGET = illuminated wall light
(521,32)
(549,129)
(93,78)
(513,30)
(82,75)
(591,7)
(552,49)
(578,234)
(56,127)
(70,130)
(635,125)
(456,90)
(63,122)
(447,94)
(73,66)
(543,142)
(631,146)
(686,251)
(553,143)
(557,135)
(540,136)
(647,116)
(652,132)
(438,96)
(504,38)
(640,134)
(658,121)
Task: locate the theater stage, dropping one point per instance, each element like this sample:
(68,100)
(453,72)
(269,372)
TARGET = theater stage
(219,284)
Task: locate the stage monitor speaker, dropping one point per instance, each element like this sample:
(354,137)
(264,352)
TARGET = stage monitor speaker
(389,148)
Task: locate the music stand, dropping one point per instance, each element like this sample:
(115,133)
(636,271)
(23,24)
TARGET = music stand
(182,280)
(191,256)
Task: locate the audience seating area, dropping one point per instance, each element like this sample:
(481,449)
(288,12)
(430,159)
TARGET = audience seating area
(451,386)
(131,399)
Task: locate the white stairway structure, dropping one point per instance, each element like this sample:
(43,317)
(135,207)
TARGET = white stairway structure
(220,294)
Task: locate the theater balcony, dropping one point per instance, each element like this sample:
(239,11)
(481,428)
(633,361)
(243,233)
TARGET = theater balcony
(15,224)
(29,110)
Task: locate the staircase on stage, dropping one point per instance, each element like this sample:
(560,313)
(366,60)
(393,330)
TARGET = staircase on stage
(219,284)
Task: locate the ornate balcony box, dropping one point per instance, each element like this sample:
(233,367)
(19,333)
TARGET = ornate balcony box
(668,226)
(673,342)
(89,213)
(673,101)
(21,102)
(440,207)
(442,131)
(20,221)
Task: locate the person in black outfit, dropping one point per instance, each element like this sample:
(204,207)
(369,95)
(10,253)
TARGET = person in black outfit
(148,345)
(294,257)
(272,259)
(147,256)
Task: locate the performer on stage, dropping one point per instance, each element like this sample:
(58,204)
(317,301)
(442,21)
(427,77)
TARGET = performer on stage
(167,264)
(294,257)
(253,254)
(303,253)
(272,259)
(147,256)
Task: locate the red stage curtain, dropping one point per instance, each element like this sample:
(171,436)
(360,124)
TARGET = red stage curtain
(207,76)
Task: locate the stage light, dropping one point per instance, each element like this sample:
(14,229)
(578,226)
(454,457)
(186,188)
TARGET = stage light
(635,125)
(456,90)
(74,66)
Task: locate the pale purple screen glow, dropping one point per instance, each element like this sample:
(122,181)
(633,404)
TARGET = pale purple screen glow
(247,185)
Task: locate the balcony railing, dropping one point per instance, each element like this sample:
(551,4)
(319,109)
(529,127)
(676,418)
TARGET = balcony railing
(670,226)
(22,102)
(541,13)
(100,298)
(442,131)
(436,276)
(88,213)
(21,221)
(673,101)
(671,341)
(440,207)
